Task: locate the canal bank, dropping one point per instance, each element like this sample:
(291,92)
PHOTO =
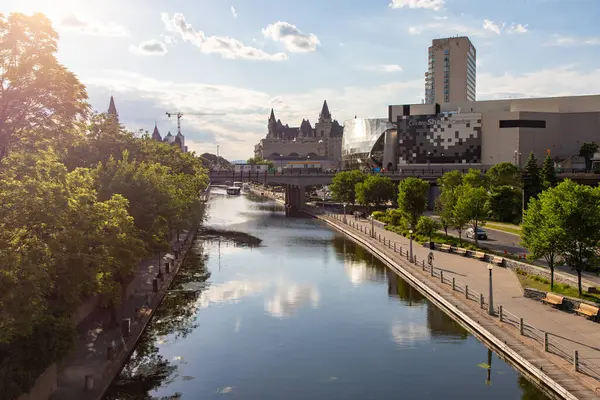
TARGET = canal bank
(546,369)
(101,351)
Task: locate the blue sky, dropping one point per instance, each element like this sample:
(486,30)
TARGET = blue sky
(242,57)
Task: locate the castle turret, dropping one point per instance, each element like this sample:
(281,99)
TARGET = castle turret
(156,134)
(169,138)
(181,139)
(325,115)
(112,109)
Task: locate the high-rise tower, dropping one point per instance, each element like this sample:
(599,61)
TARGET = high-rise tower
(451,74)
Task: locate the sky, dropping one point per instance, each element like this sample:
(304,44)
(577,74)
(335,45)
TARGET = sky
(240,58)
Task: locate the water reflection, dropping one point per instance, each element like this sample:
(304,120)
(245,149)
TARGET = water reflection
(300,312)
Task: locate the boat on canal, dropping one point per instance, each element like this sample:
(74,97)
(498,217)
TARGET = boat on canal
(234,190)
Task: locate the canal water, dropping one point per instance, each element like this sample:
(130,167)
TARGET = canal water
(269,307)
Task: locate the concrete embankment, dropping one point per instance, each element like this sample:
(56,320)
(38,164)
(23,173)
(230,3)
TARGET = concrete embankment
(551,373)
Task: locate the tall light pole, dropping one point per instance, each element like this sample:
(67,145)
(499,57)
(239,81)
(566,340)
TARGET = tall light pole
(345,213)
(490,267)
(411,240)
(372,226)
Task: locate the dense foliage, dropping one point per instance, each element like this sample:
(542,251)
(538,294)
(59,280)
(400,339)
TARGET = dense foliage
(343,187)
(412,199)
(376,190)
(82,201)
(565,221)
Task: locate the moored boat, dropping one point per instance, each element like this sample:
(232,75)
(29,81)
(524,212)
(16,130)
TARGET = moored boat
(233,190)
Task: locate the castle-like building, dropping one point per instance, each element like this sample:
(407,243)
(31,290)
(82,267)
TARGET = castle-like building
(323,141)
(177,140)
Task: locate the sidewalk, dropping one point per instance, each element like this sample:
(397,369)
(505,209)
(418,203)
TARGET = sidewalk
(568,330)
(89,355)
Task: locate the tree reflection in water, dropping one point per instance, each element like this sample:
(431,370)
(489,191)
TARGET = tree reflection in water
(530,391)
(146,369)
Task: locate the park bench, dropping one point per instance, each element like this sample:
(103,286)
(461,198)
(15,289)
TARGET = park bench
(479,255)
(498,260)
(446,247)
(587,310)
(461,251)
(553,299)
(143,312)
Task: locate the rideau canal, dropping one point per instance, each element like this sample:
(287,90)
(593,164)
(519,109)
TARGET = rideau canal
(269,307)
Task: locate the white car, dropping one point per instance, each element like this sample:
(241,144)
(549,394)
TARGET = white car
(481,234)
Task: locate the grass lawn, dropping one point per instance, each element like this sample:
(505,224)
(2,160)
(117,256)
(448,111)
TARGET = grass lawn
(516,229)
(437,237)
(539,283)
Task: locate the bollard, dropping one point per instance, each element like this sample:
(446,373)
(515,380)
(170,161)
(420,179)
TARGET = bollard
(500,313)
(137,312)
(422,262)
(576,360)
(160,275)
(441,276)
(521,327)
(110,350)
(167,268)
(407,255)
(155,285)
(481,300)
(466,291)
(125,327)
(431,268)
(546,341)
(394,247)
(453,284)
(423,267)
(89,383)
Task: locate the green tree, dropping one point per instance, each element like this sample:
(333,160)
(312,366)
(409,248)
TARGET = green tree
(343,187)
(472,203)
(260,161)
(587,150)
(542,231)
(376,190)
(474,178)
(412,199)
(39,94)
(503,174)
(532,182)
(505,204)
(451,180)
(548,173)
(577,211)
(428,226)
(444,207)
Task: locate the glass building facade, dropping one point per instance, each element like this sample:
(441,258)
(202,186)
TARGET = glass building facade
(367,142)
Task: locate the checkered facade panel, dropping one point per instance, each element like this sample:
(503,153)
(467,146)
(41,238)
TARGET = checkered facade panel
(439,139)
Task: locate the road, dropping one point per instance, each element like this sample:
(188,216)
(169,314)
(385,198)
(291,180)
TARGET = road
(497,241)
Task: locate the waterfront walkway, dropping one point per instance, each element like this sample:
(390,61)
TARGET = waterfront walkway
(567,332)
(90,353)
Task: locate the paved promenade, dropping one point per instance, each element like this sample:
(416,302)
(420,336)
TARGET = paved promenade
(567,332)
(89,356)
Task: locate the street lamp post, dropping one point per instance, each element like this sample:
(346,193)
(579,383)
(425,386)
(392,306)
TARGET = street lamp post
(491,300)
(429,160)
(411,240)
(372,226)
(345,213)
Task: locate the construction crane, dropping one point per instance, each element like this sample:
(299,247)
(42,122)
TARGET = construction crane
(180,114)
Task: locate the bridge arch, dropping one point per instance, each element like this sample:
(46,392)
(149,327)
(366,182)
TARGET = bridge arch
(293,155)
(312,155)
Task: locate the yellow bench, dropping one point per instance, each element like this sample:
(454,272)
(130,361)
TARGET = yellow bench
(460,250)
(553,299)
(446,247)
(587,310)
(479,255)
(498,260)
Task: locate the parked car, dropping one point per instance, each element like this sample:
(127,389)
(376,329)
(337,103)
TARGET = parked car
(481,234)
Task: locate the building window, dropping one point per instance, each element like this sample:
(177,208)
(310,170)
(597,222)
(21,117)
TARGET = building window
(522,123)
(322,133)
(446,51)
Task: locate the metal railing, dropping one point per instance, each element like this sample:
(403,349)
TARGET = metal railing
(550,343)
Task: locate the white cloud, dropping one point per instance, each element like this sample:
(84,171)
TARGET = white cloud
(444,29)
(491,26)
(440,17)
(71,22)
(560,40)
(386,68)
(150,48)
(234,12)
(288,300)
(292,38)
(342,44)
(517,28)
(430,4)
(224,46)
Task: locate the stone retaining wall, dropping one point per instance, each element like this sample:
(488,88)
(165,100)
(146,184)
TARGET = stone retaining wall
(570,304)
(545,273)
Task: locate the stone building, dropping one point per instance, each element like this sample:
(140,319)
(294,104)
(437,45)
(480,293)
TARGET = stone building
(178,140)
(323,141)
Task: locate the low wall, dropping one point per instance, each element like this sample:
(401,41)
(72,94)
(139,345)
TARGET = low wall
(570,304)
(545,273)
(44,385)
